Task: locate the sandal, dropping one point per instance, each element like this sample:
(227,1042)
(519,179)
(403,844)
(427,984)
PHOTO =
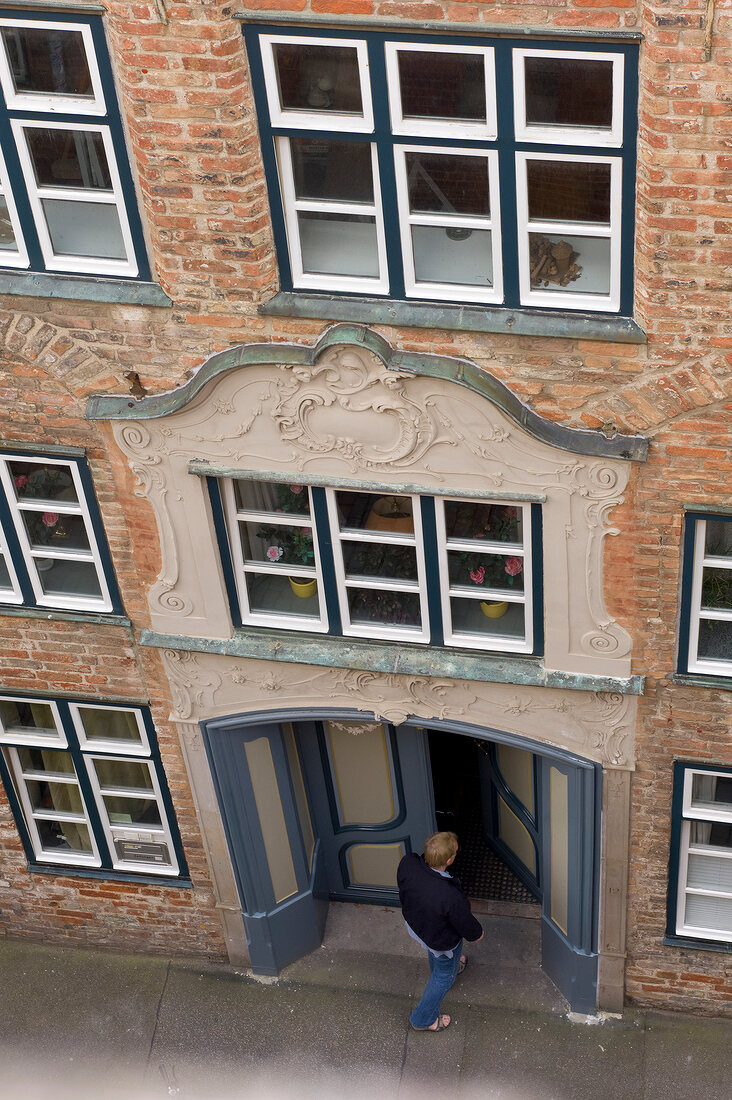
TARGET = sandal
(463,964)
(441,1025)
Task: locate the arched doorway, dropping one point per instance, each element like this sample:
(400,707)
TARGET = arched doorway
(322,807)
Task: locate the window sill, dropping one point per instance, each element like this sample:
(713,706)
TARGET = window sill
(393,657)
(109,876)
(466,318)
(82,288)
(698,679)
(698,945)
(110,618)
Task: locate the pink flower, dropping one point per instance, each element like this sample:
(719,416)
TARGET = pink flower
(50,519)
(296,488)
(21,481)
(513,566)
(274,553)
(477,576)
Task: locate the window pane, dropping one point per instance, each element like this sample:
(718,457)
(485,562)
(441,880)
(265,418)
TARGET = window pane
(718,542)
(104,724)
(7,235)
(456,255)
(334,171)
(475,570)
(132,811)
(562,91)
(45,760)
(568,192)
(442,183)
(64,834)
(709,912)
(84,229)
(54,796)
(123,773)
(69,158)
(18,716)
(715,639)
(47,61)
(5,581)
(442,85)
(469,519)
(277,544)
(371,559)
(368,605)
(488,618)
(318,78)
(717,589)
(55,529)
(711,792)
(68,578)
(339,244)
(283,595)
(569,263)
(265,496)
(38,481)
(373,512)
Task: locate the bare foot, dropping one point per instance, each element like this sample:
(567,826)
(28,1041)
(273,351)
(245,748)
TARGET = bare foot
(440,1023)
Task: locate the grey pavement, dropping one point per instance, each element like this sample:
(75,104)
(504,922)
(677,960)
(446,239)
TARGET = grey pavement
(80,1023)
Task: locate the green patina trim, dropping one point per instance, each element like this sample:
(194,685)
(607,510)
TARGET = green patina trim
(211,469)
(695,679)
(459,318)
(699,945)
(473,30)
(82,288)
(449,368)
(64,871)
(67,616)
(405,660)
(710,509)
(41,449)
(58,5)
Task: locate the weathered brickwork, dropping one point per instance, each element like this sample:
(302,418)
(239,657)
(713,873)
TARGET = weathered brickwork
(194,147)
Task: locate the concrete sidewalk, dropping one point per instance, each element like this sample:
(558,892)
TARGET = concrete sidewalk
(86,1024)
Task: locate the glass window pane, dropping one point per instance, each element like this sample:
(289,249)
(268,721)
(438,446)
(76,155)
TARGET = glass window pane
(281,595)
(266,496)
(123,773)
(470,519)
(711,792)
(338,244)
(132,811)
(370,605)
(569,263)
(84,229)
(374,512)
(442,85)
(442,183)
(718,542)
(69,158)
(45,760)
(715,639)
(18,716)
(277,544)
(318,78)
(379,559)
(562,91)
(5,581)
(38,481)
(570,191)
(717,589)
(68,578)
(55,529)
(488,618)
(704,912)
(54,796)
(457,255)
(105,724)
(49,61)
(59,835)
(7,234)
(476,570)
(333,171)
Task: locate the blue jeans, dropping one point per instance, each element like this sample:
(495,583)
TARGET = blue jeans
(443,972)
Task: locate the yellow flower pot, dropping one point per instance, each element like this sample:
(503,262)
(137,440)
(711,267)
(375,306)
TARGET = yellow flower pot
(494,610)
(303,588)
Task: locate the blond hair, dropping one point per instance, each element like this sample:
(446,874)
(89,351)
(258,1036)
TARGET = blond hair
(439,848)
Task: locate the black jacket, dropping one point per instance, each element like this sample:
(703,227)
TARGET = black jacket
(434,906)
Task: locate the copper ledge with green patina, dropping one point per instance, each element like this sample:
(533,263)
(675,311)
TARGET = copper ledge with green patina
(452,369)
(330,651)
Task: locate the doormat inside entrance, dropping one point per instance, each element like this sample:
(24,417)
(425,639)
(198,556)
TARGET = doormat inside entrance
(482,874)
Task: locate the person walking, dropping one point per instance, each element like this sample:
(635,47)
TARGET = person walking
(437,915)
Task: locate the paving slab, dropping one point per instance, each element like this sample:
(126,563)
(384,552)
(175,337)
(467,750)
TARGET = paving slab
(686,1057)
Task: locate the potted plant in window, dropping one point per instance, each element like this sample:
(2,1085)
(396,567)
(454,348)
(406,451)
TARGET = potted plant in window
(291,545)
(495,572)
(44,483)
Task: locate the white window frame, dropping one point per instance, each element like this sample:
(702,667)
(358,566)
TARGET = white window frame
(696,663)
(139,748)
(366,284)
(391,631)
(51,102)
(241,567)
(567,299)
(144,834)
(691,813)
(62,507)
(526,597)
(11,735)
(38,192)
(31,816)
(460,128)
(568,135)
(9,258)
(407,219)
(317,120)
